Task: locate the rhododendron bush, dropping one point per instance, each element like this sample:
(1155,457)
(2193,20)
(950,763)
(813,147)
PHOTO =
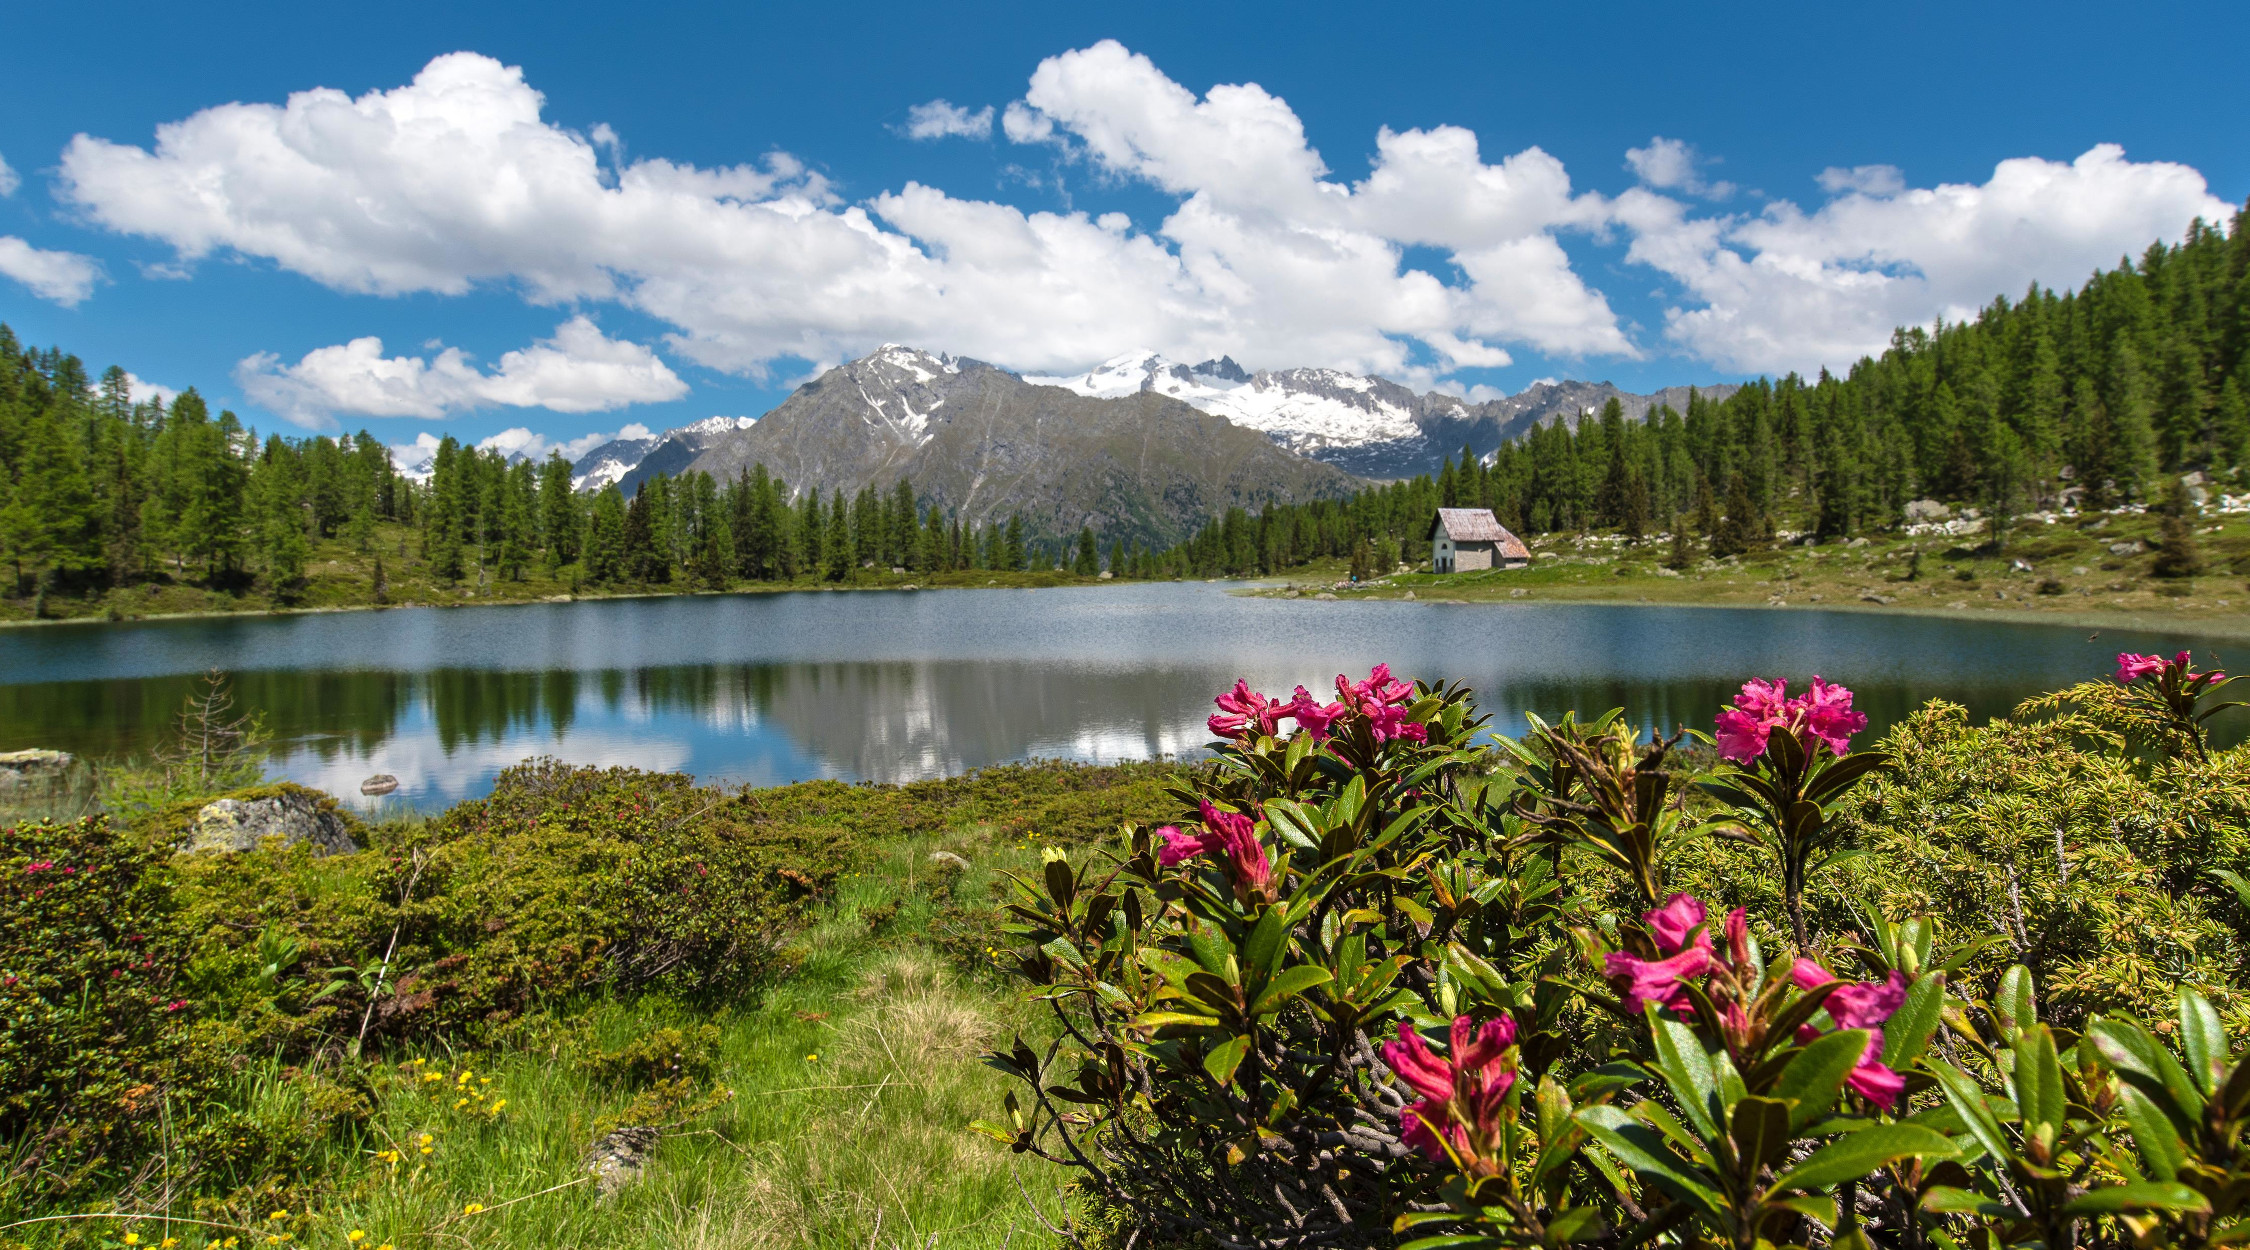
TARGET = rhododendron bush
(1386,978)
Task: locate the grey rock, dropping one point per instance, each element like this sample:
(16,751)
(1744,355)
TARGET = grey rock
(380,783)
(1927,510)
(1409,595)
(293,815)
(2124,549)
(1325,595)
(1872,597)
(948,857)
(619,1157)
(1857,542)
(35,767)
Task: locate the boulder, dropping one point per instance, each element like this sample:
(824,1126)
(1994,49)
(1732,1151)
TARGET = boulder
(1927,510)
(619,1156)
(35,767)
(291,813)
(380,783)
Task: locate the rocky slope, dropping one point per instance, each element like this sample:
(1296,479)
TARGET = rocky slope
(984,443)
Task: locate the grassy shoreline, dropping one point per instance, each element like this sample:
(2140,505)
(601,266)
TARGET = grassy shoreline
(2060,574)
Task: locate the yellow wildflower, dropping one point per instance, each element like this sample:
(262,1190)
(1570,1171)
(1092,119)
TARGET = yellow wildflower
(472,1208)
(499,1103)
(167,1243)
(425,1139)
(356,1235)
(459,1103)
(132,1239)
(278,1215)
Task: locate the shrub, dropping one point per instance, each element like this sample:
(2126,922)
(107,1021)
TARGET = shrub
(566,879)
(1563,1072)
(90,969)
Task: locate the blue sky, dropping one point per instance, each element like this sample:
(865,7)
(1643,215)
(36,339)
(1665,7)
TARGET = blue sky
(668,212)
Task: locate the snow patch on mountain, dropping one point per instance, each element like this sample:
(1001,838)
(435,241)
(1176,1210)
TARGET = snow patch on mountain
(1305,410)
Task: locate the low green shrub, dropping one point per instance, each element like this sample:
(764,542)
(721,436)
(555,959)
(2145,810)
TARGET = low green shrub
(91,964)
(565,880)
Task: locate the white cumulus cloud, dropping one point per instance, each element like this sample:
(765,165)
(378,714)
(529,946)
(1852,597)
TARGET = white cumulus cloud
(456,179)
(579,369)
(1668,164)
(140,390)
(940,119)
(64,277)
(1264,253)
(1790,289)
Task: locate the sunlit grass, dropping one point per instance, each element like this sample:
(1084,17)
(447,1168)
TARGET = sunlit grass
(853,1081)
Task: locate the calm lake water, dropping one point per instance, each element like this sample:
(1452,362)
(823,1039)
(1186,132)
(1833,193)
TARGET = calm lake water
(892,686)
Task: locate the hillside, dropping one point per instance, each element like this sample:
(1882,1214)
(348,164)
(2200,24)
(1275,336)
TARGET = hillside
(985,444)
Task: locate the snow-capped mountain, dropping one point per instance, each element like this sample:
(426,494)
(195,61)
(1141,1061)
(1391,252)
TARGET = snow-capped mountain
(623,462)
(983,444)
(1306,410)
(1366,425)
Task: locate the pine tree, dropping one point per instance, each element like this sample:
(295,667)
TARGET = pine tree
(603,559)
(837,542)
(1014,555)
(2177,554)
(1089,561)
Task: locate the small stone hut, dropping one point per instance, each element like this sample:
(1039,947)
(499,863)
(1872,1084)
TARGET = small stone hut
(1463,539)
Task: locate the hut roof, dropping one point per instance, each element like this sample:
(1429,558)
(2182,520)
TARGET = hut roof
(1478,525)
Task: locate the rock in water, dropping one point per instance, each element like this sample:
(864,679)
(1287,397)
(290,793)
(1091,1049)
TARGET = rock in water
(33,767)
(294,815)
(380,783)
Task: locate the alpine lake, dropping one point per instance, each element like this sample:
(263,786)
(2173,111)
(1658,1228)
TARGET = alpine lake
(894,686)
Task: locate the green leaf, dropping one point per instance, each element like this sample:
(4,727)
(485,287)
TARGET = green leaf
(2203,1040)
(2140,1060)
(2160,1144)
(1638,1147)
(1061,885)
(2039,1080)
(1573,1225)
(1221,1060)
(2017,1004)
(1946,1200)
(2137,1196)
(1855,1155)
(1291,982)
(1907,1033)
(1262,950)
(1815,1078)
(1760,1129)
(1967,1098)
(1687,1069)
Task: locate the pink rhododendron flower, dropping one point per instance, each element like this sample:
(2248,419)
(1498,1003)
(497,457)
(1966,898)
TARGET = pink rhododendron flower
(1313,716)
(1379,690)
(1863,1005)
(1242,708)
(1826,713)
(1391,722)
(1462,1092)
(1664,981)
(1175,846)
(2131,667)
(1823,713)
(1231,834)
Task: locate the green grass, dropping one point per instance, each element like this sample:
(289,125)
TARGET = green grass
(2074,576)
(837,1112)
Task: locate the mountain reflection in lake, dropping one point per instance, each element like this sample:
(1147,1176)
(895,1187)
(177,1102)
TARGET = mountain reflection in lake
(890,687)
